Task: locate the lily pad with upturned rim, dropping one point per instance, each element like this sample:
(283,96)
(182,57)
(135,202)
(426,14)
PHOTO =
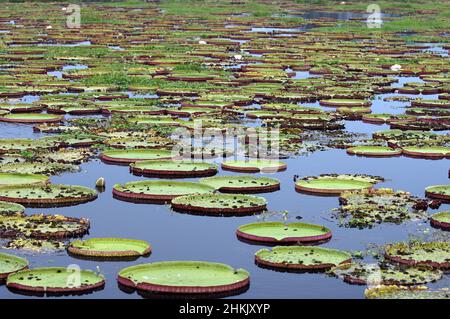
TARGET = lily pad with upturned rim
(281,233)
(220,204)
(374,151)
(109,247)
(47,195)
(242,184)
(435,152)
(441,220)
(434,254)
(31,118)
(158,190)
(301,258)
(441,192)
(335,184)
(55,280)
(171,168)
(128,156)
(11,209)
(254,166)
(11,179)
(184,277)
(10,264)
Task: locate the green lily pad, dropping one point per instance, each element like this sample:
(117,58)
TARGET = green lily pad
(441,192)
(55,280)
(30,118)
(254,166)
(219,204)
(434,254)
(242,183)
(301,257)
(10,264)
(278,232)
(375,151)
(159,190)
(46,168)
(109,247)
(441,220)
(42,226)
(427,152)
(47,195)
(132,155)
(22,179)
(358,273)
(335,184)
(11,209)
(184,277)
(400,292)
(171,168)
(33,245)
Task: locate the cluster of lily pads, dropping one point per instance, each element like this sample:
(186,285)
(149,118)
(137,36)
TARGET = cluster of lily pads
(119,92)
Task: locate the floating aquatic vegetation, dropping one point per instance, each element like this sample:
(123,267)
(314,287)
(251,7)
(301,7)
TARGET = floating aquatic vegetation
(441,220)
(35,245)
(10,264)
(367,207)
(172,168)
(33,167)
(434,254)
(242,184)
(400,292)
(109,247)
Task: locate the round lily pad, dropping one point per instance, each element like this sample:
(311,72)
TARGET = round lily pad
(31,118)
(401,292)
(360,274)
(281,233)
(43,226)
(441,192)
(22,179)
(335,184)
(242,184)
(434,254)
(374,151)
(11,209)
(46,168)
(109,247)
(10,264)
(301,258)
(254,166)
(441,220)
(172,169)
(47,195)
(219,204)
(127,156)
(345,103)
(159,190)
(433,152)
(55,280)
(184,277)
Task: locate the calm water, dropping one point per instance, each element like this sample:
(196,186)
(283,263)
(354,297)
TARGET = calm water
(176,236)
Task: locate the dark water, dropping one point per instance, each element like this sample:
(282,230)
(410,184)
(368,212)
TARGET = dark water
(176,236)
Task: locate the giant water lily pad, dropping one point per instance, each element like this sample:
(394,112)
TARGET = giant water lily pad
(401,292)
(109,247)
(283,233)
(10,264)
(441,192)
(441,220)
(46,168)
(43,226)
(158,190)
(184,277)
(361,274)
(301,257)
(242,183)
(345,103)
(11,209)
(434,254)
(22,144)
(47,195)
(365,208)
(374,151)
(22,179)
(335,184)
(172,168)
(434,152)
(219,204)
(133,155)
(30,118)
(254,166)
(55,280)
